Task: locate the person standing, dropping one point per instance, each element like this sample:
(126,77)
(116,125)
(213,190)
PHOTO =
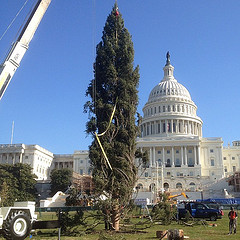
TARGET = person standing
(232,215)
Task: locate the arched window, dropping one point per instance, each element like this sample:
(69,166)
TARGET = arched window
(139,187)
(166,185)
(178,185)
(152,187)
(192,186)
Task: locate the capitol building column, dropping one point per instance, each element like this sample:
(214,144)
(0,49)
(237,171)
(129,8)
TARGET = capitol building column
(173,164)
(166,126)
(195,156)
(185,156)
(198,154)
(182,161)
(150,158)
(154,157)
(163,160)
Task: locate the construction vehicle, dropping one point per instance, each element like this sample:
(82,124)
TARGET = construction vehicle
(177,195)
(16,222)
(19,48)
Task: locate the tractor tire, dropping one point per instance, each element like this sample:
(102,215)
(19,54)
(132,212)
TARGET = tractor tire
(17,226)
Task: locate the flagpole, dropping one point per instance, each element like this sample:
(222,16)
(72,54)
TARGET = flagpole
(12,132)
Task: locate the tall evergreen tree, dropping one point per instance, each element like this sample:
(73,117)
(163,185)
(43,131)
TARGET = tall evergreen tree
(115,84)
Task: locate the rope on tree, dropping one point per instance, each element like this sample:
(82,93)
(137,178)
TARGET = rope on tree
(101,134)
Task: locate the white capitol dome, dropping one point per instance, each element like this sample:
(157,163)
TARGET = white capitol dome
(169,88)
(170,109)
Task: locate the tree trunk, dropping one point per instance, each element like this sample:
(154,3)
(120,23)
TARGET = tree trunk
(115,218)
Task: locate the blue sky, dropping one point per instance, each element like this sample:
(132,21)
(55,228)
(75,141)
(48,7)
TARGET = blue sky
(46,95)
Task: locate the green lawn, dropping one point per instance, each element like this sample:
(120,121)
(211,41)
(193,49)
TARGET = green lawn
(199,231)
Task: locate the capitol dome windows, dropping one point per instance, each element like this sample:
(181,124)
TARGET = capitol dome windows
(174,127)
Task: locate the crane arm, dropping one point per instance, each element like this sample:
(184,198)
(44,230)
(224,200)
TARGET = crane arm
(177,195)
(19,48)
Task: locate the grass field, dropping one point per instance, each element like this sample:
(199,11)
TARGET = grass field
(203,230)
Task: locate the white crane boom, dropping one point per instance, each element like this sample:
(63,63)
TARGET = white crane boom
(17,51)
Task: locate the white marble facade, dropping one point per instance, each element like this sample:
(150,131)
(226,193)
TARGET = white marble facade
(39,158)
(171,132)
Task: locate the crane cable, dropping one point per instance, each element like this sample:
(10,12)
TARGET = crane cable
(13,19)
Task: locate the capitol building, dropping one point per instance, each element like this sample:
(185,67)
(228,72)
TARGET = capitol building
(180,158)
(171,131)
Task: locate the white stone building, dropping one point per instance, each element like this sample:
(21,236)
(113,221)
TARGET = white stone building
(39,158)
(231,158)
(43,161)
(171,131)
(79,162)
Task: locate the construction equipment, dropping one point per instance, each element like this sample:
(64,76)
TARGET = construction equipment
(16,222)
(19,48)
(172,198)
(177,195)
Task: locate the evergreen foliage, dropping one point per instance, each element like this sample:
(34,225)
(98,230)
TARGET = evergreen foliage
(60,180)
(115,83)
(164,211)
(16,183)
